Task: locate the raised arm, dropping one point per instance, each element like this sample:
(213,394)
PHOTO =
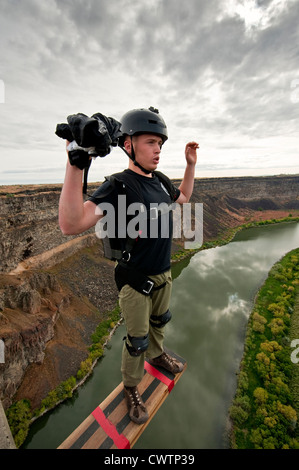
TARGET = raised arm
(75,215)
(186,186)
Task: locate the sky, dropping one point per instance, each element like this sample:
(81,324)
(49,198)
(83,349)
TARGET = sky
(224,73)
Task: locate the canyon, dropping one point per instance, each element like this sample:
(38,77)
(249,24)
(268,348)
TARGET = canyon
(55,289)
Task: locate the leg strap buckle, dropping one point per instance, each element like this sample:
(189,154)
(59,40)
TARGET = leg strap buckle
(148,287)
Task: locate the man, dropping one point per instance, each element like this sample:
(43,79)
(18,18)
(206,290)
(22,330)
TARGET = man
(143,273)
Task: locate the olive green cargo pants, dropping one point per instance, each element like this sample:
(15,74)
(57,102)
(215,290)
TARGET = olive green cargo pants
(136,309)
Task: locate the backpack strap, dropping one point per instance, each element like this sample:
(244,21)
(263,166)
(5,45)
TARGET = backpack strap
(124,183)
(124,179)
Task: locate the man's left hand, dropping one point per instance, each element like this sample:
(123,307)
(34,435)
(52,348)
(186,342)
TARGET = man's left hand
(190,152)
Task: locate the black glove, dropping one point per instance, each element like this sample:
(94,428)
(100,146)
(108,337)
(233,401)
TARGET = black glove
(98,132)
(79,158)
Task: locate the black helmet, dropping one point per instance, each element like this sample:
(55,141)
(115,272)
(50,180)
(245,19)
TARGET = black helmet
(142,121)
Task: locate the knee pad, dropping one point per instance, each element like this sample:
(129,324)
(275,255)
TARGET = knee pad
(139,345)
(160,319)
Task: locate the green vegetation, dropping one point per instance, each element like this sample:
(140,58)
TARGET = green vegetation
(20,415)
(19,418)
(266,405)
(60,393)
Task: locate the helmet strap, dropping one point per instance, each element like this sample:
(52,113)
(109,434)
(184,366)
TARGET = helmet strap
(147,172)
(133,157)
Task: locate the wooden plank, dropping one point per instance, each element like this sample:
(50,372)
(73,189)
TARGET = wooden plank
(109,425)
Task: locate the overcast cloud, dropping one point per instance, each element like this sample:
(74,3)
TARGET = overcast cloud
(223,73)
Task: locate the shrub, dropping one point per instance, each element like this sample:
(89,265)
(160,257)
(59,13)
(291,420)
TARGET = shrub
(288,412)
(270,346)
(18,417)
(258,323)
(238,414)
(261,395)
(85,368)
(277,326)
(278,310)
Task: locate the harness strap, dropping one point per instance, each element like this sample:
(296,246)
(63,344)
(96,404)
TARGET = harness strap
(160,286)
(115,253)
(135,278)
(85,178)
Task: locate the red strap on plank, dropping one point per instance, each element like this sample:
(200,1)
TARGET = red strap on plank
(156,373)
(119,440)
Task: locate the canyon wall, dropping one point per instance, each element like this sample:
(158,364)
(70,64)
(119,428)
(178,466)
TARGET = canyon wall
(29,223)
(29,214)
(228,202)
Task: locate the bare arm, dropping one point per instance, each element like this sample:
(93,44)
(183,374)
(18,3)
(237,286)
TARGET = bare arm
(186,186)
(75,215)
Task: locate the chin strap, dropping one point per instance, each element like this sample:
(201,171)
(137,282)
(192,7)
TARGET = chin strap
(147,172)
(133,158)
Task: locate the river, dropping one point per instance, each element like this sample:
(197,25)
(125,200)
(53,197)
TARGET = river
(213,294)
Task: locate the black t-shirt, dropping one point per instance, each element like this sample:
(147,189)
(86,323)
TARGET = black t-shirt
(151,253)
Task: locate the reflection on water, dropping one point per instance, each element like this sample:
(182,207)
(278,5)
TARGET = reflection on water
(212,299)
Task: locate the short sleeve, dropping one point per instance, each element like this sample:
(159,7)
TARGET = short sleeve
(176,193)
(104,193)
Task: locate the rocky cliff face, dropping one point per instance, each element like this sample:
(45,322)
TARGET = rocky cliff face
(29,217)
(26,324)
(46,321)
(229,202)
(29,223)
(54,290)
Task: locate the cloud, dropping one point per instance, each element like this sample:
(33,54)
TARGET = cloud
(220,73)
